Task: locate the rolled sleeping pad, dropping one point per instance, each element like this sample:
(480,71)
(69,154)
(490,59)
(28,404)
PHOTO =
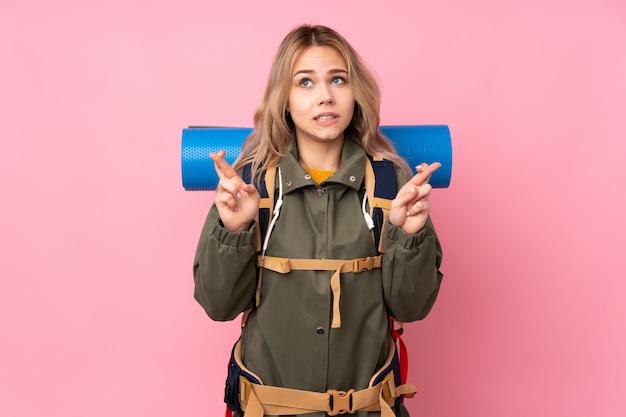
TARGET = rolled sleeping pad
(415,143)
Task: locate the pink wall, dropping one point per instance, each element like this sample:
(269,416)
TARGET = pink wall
(97,235)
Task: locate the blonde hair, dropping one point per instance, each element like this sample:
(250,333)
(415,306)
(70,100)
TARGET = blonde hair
(274,129)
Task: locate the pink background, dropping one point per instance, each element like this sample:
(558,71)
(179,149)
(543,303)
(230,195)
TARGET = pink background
(97,315)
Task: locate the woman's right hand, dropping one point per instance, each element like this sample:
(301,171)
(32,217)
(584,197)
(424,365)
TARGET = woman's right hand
(237,202)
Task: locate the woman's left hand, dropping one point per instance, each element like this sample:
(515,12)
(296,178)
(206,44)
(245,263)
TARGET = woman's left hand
(410,209)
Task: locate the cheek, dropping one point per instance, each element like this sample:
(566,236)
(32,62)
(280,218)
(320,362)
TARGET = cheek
(349,100)
(296,104)
(295,112)
(351,106)
(292,102)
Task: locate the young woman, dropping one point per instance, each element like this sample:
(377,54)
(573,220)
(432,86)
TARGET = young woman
(319,329)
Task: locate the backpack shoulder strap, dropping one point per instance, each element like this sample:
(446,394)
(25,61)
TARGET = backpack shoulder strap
(263,218)
(380,185)
(385,189)
(266,205)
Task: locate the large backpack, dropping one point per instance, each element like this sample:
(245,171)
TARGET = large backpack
(380,184)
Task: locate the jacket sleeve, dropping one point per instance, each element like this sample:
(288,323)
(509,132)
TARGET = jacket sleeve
(411,275)
(224,270)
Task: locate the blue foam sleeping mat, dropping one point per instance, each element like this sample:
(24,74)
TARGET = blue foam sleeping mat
(415,143)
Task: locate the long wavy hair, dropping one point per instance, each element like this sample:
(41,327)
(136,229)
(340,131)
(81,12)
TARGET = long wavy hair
(273,127)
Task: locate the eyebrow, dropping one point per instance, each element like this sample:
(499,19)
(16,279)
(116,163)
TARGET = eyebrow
(330,71)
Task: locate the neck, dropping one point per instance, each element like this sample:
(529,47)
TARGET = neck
(322,156)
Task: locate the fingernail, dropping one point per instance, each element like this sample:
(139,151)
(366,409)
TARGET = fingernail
(238,195)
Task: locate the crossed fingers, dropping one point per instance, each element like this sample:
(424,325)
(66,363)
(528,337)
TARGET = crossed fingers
(236,201)
(223,169)
(410,207)
(424,172)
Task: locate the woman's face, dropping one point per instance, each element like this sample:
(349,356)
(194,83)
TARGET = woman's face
(321,101)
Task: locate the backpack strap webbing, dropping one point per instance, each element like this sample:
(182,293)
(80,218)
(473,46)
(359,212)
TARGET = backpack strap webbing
(286,265)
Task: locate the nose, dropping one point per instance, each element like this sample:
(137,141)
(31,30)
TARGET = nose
(326,94)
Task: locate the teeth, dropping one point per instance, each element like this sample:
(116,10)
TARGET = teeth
(325,118)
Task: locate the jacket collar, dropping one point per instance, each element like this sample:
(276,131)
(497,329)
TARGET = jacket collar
(350,174)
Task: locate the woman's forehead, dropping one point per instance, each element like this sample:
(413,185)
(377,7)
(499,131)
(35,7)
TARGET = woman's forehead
(319,58)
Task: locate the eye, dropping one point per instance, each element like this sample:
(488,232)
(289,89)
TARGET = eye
(338,80)
(305,82)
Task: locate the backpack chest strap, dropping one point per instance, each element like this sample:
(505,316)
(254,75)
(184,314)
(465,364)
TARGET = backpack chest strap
(286,265)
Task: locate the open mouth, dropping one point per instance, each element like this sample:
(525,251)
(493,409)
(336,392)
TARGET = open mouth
(325,118)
